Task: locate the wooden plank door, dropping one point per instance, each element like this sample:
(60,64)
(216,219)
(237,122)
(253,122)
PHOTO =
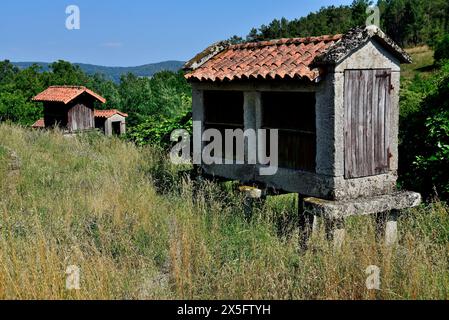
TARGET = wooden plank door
(367,122)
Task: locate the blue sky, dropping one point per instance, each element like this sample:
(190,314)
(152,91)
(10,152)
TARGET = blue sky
(133,32)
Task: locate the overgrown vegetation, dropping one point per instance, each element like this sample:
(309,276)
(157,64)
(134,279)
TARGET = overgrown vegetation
(91,201)
(157,132)
(425,134)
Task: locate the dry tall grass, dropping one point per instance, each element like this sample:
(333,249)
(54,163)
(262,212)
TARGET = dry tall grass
(122,215)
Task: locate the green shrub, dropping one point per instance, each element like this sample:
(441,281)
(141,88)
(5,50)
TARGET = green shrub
(442,49)
(156,131)
(425,141)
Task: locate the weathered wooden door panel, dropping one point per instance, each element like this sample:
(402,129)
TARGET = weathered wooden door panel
(80,118)
(367,122)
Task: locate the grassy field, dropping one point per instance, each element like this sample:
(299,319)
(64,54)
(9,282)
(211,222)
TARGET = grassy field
(423,63)
(125,218)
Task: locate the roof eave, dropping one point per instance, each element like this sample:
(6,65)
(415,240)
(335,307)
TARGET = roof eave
(205,55)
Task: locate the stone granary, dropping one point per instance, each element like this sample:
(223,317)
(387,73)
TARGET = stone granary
(110,122)
(69,107)
(335,102)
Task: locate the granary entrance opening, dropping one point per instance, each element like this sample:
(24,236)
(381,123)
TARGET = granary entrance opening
(367,122)
(224,110)
(100,124)
(293,114)
(116,128)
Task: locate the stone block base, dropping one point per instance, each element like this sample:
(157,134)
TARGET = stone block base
(337,210)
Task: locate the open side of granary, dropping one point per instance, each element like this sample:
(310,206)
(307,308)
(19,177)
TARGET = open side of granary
(335,102)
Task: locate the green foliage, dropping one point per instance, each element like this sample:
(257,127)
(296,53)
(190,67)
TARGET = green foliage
(408,22)
(413,94)
(16,108)
(329,20)
(157,131)
(442,49)
(16,89)
(166,95)
(7,71)
(65,73)
(425,139)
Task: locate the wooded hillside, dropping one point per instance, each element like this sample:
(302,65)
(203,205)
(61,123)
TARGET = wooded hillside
(408,22)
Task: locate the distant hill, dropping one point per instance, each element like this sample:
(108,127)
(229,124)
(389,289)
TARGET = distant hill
(114,73)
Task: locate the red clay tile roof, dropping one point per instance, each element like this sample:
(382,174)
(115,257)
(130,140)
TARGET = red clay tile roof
(296,58)
(283,58)
(39,124)
(108,113)
(65,94)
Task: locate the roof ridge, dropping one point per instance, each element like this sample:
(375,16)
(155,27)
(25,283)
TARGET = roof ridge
(68,86)
(286,41)
(65,94)
(110,112)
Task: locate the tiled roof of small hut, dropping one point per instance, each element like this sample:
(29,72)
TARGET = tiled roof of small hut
(294,58)
(39,124)
(109,113)
(65,94)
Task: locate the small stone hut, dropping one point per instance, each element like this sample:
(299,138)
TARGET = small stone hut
(334,100)
(111,122)
(69,107)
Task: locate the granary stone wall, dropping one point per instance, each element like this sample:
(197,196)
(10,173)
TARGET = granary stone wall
(370,56)
(116,118)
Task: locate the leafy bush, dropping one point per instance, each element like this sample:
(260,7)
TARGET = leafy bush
(425,141)
(414,92)
(442,49)
(166,95)
(157,131)
(17,108)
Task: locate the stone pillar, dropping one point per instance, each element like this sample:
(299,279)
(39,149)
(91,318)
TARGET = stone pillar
(387,227)
(198,114)
(250,122)
(336,232)
(108,127)
(306,224)
(252,197)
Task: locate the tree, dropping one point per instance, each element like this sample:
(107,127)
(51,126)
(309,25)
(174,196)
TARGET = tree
(65,73)
(408,22)
(7,71)
(358,12)
(17,108)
